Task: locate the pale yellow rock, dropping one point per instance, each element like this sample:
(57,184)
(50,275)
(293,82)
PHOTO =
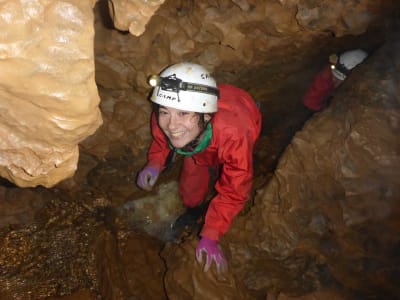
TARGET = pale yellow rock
(48,96)
(133,15)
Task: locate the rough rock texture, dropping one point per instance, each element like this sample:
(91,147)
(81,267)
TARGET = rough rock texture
(133,15)
(54,244)
(128,266)
(48,97)
(245,33)
(326,224)
(331,211)
(241,42)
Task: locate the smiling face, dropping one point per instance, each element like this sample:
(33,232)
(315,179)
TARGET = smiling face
(181,127)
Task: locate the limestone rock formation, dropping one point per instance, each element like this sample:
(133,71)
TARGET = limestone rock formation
(48,97)
(326,224)
(133,15)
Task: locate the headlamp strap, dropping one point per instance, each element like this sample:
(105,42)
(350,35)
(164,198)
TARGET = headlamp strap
(341,68)
(334,59)
(200,88)
(174,84)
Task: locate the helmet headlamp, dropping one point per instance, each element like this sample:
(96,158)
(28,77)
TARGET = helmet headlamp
(333,58)
(339,70)
(154,80)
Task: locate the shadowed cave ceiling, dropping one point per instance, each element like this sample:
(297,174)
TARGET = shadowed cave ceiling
(323,221)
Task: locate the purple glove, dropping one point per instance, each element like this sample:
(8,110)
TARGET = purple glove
(147,177)
(213,253)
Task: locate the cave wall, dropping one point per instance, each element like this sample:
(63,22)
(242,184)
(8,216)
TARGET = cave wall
(329,216)
(48,82)
(48,96)
(132,15)
(333,203)
(330,200)
(253,44)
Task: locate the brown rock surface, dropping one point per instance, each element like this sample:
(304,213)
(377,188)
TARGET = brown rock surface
(323,224)
(331,210)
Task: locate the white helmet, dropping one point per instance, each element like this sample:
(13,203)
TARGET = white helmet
(185,86)
(346,62)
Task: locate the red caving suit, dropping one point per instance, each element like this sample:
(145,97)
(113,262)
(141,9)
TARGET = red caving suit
(235,129)
(320,90)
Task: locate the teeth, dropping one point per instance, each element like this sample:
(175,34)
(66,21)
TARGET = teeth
(176,134)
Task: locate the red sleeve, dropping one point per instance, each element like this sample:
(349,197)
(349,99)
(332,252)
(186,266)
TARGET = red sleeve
(320,90)
(159,149)
(233,186)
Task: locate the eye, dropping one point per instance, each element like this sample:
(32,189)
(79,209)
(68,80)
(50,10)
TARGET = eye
(183,113)
(162,112)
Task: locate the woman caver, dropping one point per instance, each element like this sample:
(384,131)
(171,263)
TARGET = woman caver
(213,127)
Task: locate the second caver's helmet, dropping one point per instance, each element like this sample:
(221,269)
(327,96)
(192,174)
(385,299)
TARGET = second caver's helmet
(345,62)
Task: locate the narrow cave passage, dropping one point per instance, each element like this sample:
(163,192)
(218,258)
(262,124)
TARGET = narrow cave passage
(98,236)
(108,233)
(100,220)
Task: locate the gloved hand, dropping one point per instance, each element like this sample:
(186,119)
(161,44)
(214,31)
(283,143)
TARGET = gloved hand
(213,252)
(147,177)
